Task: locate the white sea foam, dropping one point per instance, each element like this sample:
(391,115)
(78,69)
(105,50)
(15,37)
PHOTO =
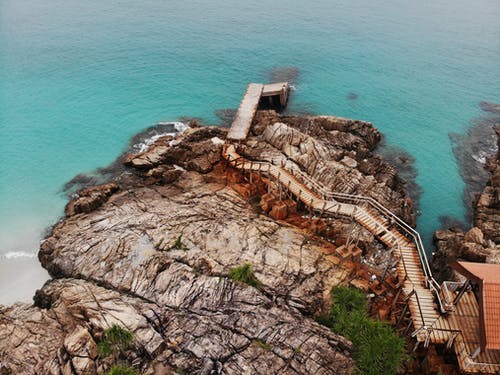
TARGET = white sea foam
(18,255)
(179,127)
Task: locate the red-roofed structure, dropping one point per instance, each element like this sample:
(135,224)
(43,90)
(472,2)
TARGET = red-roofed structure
(487,277)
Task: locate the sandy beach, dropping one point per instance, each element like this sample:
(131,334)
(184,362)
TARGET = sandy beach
(19,278)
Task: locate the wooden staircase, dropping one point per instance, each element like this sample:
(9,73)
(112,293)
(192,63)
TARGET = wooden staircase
(420,289)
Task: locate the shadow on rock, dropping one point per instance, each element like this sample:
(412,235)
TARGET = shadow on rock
(405,165)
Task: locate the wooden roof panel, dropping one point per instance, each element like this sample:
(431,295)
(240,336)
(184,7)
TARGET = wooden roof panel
(487,276)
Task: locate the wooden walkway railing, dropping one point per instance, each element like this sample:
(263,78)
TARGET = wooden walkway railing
(413,269)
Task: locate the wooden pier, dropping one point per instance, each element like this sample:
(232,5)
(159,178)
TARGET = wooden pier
(249,104)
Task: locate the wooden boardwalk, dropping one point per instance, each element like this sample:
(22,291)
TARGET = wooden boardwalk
(244,117)
(249,104)
(421,303)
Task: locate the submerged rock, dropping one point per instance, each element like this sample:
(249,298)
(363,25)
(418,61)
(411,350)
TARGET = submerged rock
(482,242)
(473,150)
(490,107)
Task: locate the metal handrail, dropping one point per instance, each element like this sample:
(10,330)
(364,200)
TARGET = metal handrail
(432,283)
(408,230)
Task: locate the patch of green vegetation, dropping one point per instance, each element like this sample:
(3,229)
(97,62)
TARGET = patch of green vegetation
(377,348)
(121,370)
(179,245)
(245,274)
(297,350)
(262,344)
(115,341)
(180,371)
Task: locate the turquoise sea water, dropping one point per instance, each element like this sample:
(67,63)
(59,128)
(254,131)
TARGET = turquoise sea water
(79,78)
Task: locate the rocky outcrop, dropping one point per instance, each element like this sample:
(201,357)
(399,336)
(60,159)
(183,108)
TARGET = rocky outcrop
(209,325)
(487,210)
(89,199)
(336,152)
(194,150)
(126,243)
(482,242)
(454,244)
(154,255)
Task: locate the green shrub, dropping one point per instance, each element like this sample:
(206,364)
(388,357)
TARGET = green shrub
(115,341)
(245,274)
(179,245)
(377,348)
(121,370)
(262,344)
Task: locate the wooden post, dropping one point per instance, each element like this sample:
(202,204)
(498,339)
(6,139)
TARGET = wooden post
(461,293)
(403,312)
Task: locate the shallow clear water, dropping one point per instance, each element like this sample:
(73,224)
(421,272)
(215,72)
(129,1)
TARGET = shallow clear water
(79,78)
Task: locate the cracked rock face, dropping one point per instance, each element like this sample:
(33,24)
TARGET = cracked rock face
(129,241)
(212,325)
(487,210)
(335,152)
(152,253)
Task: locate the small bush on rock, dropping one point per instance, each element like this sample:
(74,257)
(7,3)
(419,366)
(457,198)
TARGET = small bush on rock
(377,348)
(114,342)
(179,245)
(121,370)
(245,274)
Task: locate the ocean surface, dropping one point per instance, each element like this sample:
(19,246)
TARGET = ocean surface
(79,78)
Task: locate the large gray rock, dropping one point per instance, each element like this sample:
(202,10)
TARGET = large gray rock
(210,323)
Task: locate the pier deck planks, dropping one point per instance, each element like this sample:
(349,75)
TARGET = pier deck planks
(244,117)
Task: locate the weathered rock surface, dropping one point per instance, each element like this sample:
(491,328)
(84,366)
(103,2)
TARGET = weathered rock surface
(454,244)
(209,325)
(127,242)
(487,210)
(91,198)
(154,256)
(336,152)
